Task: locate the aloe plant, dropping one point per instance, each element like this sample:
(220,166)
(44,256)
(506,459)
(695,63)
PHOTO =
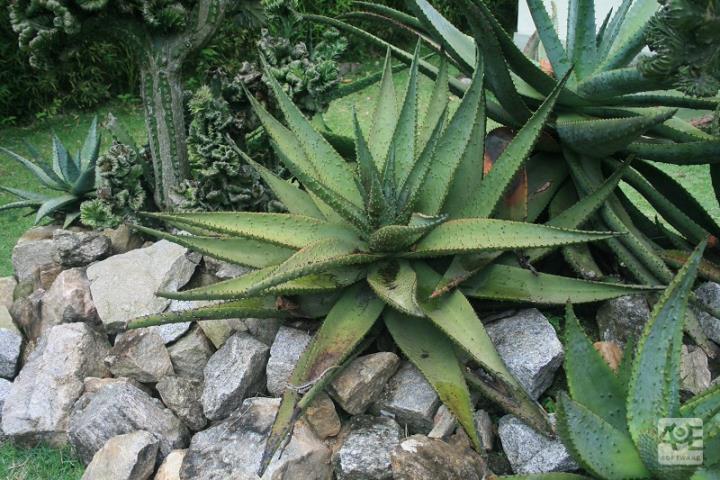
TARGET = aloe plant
(73,178)
(612,422)
(361,244)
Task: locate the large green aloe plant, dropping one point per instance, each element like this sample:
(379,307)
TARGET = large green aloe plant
(72,177)
(606,112)
(361,244)
(612,422)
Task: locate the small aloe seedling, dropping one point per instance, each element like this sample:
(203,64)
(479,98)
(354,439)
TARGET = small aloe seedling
(364,241)
(620,425)
(72,177)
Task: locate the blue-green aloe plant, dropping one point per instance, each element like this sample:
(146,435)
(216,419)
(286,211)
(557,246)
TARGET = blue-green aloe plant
(72,177)
(362,242)
(623,424)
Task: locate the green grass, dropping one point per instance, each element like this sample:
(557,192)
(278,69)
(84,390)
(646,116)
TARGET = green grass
(39,463)
(71,128)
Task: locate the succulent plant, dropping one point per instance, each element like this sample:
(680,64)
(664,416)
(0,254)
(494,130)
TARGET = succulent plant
(614,423)
(361,244)
(73,178)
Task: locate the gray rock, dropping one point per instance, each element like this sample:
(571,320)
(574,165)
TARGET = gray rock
(709,294)
(79,249)
(233,373)
(117,408)
(622,318)
(190,354)
(410,399)
(218,331)
(26,312)
(284,355)
(224,270)
(363,380)
(7,291)
(33,251)
(170,468)
(124,286)
(305,456)
(140,355)
(182,396)
(126,457)
(422,458)
(322,417)
(530,452)
(5,386)
(171,332)
(695,374)
(68,300)
(444,424)
(10,345)
(485,429)
(264,329)
(44,392)
(123,239)
(529,347)
(366,447)
(46,275)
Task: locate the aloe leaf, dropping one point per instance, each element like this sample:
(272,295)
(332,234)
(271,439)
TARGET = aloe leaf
(601,138)
(53,205)
(630,38)
(261,307)
(677,258)
(451,148)
(395,282)
(63,163)
(484,202)
(503,282)
(704,406)
(345,326)
(654,385)
(434,355)
(91,146)
(664,99)
(460,45)
(46,176)
(396,15)
(690,153)
(293,231)
(612,29)
(603,28)
(20,204)
(597,445)
(546,174)
(398,237)
(707,473)
(613,83)
(385,116)
(70,218)
(403,140)
(437,107)
(581,42)
(549,38)
(545,476)
(24,194)
(590,380)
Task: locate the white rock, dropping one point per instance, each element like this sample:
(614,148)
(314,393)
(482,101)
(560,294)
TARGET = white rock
(126,457)
(33,251)
(363,380)
(10,345)
(170,468)
(68,300)
(7,290)
(530,452)
(190,354)
(284,355)
(140,355)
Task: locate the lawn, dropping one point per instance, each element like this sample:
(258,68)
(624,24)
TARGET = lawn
(39,463)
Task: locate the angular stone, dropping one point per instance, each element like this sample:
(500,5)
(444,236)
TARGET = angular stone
(190,354)
(7,291)
(695,374)
(44,392)
(422,458)
(444,424)
(305,456)
(123,239)
(410,399)
(45,276)
(5,387)
(218,331)
(224,270)
(363,380)
(140,355)
(485,429)
(126,457)
(530,452)
(68,300)
(10,345)
(529,347)
(709,294)
(364,453)
(33,251)
(173,331)
(79,249)
(284,355)
(264,329)
(170,468)
(233,373)
(182,396)
(622,318)
(322,417)
(118,408)
(124,286)
(26,312)
(93,384)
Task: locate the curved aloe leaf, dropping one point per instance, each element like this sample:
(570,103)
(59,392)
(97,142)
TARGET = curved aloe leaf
(395,282)
(549,38)
(53,205)
(63,163)
(91,147)
(460,45)
(689,153)
(404,135)
(44,174)
(581,41)
(397,237)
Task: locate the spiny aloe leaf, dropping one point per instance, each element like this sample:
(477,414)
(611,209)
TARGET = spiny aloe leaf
(347,323)
(395,282)
(293,231)
(261,307)
(63,164)
(455,316)
(398,237)
(630,38)
(581,43)
(546,174)
(460,45)
(654,386)
(385,116)
(690,153)
(600,448)
(242,251)
(610,33)
(91,146)
(590,380)
(613,83)
(677,258)
(515,201)
(403,141)
(400,17)
(25,195)
(437,106)
(451,147)
(368,174)
(20,204)
(484,202)
(704,406)
(601,138)
(665,99)
(434,355)
(603,28)
(624,371)
(46,176)
(481,234)
(51,206)
(549,38)
(503,282)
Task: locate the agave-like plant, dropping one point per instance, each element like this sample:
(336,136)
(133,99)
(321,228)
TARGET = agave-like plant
(606,112)
(361,244)
(72,177)
(612,422)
